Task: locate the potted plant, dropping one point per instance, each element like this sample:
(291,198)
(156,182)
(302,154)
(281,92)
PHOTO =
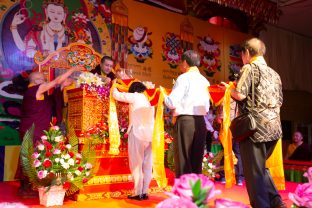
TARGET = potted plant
(54,165)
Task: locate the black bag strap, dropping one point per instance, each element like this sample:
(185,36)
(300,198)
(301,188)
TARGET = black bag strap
(252,88)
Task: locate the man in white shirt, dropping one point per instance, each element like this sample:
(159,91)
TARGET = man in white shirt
(141,124)
(189,99)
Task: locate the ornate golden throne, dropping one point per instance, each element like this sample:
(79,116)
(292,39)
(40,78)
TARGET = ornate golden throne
(113,178)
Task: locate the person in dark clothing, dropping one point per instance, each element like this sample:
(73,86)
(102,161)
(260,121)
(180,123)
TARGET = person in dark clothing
(298,150)
(36,109)
(104,69)
(60,104)
(268,99)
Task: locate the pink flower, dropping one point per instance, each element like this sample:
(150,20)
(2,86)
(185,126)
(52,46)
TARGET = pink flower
(224,203)
(37,163)
(55,128)
(176,203)
(44,137)
(182,187)
(308,174)
(56,151)
(88,166)
(35,155)
(78,156)
(42,174)
(302,196)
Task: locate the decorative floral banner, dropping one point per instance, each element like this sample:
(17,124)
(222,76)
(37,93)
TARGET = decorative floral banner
(140,44)
(172,50)
(235,62)
(210,55)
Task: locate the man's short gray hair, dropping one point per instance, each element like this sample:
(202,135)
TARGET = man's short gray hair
(255,47)
(191,57)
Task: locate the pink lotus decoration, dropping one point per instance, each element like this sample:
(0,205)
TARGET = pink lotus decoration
(183,194)
(308,174)
(225,203)
(176,203)
(303,193)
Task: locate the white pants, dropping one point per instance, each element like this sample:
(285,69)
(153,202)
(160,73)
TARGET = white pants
(140,163)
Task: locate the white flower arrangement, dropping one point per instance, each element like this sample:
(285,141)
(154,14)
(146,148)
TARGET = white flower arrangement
(211,165)
(53,162)
(89,79)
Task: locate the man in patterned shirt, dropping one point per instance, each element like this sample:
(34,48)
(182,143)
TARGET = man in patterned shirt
(268,99)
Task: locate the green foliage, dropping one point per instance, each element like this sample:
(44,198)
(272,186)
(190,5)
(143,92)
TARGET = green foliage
(27,150)
(56,160)
(199,194)
(211,164)
(170,157)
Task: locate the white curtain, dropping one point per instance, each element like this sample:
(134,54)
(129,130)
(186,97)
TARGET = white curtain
(290,55)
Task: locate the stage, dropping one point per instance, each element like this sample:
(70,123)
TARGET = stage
(8,196)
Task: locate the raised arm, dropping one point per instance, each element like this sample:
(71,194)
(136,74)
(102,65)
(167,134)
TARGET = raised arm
(49,85)
(234,93)
(17,20)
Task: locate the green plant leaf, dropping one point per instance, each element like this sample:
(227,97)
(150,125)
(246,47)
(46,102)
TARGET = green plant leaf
(196,188)
(27,150)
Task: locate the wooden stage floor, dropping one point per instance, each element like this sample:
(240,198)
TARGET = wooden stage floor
(8,198)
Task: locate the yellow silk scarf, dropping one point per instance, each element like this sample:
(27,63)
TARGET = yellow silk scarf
(226,139)
(113,127)
(158,143)
(274,163)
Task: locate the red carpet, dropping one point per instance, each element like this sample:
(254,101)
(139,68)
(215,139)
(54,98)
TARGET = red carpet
(8,194)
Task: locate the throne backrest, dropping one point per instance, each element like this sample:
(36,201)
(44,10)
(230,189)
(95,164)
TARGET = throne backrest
(64,58)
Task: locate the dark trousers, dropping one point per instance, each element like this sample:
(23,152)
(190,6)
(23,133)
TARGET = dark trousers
(239,165)
(260,186)
(209,136)
(189,133)
(239,175)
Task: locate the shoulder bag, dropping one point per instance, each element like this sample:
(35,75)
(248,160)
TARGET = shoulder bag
(244,125)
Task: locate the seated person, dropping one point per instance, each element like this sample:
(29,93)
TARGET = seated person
(298,150)
(104,69)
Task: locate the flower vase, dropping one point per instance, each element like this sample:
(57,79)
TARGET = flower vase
(51,197)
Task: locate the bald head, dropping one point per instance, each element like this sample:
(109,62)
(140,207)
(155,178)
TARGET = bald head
(36,78)
(255,47)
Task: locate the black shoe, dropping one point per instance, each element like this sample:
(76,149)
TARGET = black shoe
(144,196)
(136,197)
